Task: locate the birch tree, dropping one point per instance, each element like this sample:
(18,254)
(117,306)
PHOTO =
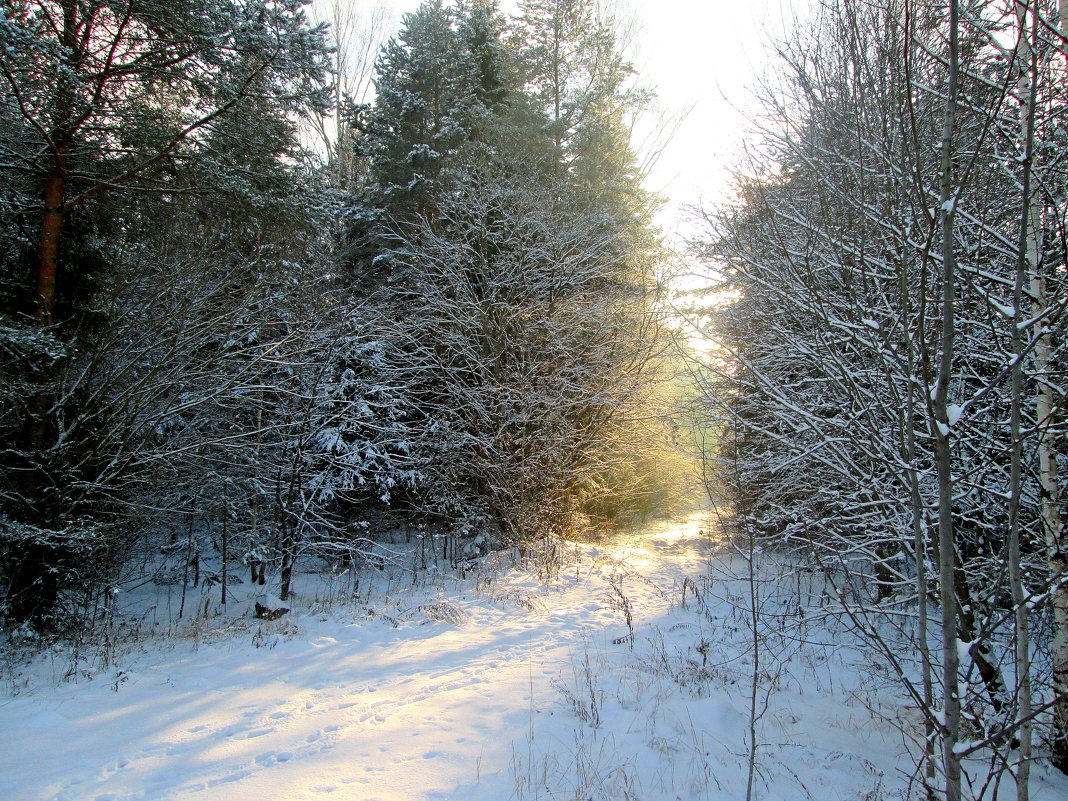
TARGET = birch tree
(876,348)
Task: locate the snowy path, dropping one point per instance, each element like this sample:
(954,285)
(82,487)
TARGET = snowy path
(530,690)
(353,711)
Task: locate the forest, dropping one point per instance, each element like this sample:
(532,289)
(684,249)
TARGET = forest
(284,290)
(212,331)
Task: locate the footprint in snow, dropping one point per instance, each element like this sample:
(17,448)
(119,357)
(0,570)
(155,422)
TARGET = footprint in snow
(273,758)
(258,733)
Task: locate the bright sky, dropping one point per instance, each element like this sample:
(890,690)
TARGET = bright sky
(705,56)
(702,55)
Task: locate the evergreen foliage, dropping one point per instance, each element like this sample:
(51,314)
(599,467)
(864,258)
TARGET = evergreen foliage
(195,363)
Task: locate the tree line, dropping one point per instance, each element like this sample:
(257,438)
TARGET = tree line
(892,392)
(226,347)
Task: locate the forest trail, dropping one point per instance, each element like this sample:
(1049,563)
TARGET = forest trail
(501,686)
(461,709)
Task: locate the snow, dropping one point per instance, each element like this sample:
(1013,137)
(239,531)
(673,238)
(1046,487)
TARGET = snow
(953,413)
(521,680)
(1003,309)
(964,651)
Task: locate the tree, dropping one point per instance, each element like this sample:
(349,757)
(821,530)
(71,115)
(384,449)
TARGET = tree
(422,112)
(513,296)
(97,84)
(128,116)
(877,351)
(357,33)
(526,337)
(570,64)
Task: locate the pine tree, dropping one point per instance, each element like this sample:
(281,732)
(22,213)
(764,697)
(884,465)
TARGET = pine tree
(126,114)
(422,113)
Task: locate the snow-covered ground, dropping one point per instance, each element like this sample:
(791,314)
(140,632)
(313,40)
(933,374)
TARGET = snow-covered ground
(509,683)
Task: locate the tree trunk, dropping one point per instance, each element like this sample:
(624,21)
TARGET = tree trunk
(919,532)
(1052,525)
(34,587)
(33,590)
(60,139)
(286,572)
(1027,259)
(225,542)
(51,229)
(941,431)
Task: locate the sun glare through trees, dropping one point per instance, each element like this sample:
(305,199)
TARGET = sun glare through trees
(465,399)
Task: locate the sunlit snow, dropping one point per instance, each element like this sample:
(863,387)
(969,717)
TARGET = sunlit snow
(510,683)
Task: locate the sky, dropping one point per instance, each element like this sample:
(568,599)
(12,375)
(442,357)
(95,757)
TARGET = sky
(703,57)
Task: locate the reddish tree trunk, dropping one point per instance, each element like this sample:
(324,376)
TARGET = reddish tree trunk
(51,228)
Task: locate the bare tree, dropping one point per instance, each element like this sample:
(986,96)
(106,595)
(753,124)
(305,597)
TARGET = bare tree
(357,32)
(876,349)
(527,333)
